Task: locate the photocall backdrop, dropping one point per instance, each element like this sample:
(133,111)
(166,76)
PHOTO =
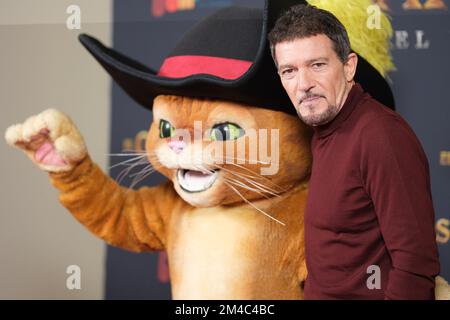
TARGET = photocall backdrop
(148,29)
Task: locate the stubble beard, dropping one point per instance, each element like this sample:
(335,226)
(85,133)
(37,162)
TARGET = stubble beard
(318,119)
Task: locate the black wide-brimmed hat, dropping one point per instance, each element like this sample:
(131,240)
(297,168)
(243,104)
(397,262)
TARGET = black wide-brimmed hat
(224,56)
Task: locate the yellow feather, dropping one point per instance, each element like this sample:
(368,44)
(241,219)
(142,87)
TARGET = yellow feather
(372,44)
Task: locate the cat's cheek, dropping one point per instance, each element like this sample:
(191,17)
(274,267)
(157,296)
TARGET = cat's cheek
(168,173)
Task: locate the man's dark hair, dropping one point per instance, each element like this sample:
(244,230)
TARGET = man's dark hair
(302,21)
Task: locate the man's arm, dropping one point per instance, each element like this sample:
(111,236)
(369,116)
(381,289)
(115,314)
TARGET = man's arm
(395,173)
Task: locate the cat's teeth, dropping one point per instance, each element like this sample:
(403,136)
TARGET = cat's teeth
(195,181)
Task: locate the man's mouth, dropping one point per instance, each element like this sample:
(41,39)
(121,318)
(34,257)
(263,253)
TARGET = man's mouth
(309,99)
(196,181)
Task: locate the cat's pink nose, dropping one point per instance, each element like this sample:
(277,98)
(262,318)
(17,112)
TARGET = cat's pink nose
(177,146)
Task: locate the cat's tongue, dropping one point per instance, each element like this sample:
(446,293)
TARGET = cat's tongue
(194,181)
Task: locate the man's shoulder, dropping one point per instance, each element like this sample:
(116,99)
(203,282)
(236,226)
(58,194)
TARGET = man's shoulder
(372,110)
(381,129)
(374,117)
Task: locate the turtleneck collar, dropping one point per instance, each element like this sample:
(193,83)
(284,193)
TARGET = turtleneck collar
(353,97)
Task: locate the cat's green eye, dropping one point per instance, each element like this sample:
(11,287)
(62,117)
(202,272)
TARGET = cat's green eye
(166,130)
(226,131)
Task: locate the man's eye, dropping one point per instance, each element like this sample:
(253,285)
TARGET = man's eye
(166,130)
(287,74)
(226,131)
(318,65)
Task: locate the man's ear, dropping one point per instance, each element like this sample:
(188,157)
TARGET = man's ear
(350,66)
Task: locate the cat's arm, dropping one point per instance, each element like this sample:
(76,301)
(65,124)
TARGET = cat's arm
(125,218)
(133,220)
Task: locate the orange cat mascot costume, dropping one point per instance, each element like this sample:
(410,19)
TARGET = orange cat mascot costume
(232,225)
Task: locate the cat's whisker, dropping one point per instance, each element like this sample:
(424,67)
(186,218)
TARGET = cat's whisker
(229,181)
(130,166)
(267,188)
(148,170)
(135,151)
(141,175)
(251,204)
(126,161)
(144,169)
(260,177)
(125,154)
(244,174)
(126,171)
(261,188)
(246,160)
(138,158)
(254,183)
(233,162)
(244,186)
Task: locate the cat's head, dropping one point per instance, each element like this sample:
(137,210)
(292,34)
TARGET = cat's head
(219,152)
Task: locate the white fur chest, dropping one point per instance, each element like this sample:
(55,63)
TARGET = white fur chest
(212,253)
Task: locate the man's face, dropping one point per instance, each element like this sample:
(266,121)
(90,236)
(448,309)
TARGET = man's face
(314,77)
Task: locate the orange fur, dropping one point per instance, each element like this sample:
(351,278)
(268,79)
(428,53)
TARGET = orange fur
(223,248)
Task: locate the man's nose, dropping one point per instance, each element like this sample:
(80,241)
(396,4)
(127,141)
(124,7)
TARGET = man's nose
(177,146)
(304,81)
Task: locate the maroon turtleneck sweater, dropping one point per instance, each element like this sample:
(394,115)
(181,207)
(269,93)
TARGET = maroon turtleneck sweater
(369,204)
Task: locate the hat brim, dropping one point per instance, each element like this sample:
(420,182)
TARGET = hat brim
(143,84)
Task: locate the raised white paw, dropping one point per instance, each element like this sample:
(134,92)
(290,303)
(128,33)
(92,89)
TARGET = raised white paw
(50,140)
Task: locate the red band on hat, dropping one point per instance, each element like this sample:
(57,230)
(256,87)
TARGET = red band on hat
(184,66)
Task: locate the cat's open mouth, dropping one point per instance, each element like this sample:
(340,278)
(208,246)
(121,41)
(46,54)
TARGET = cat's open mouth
(196,181)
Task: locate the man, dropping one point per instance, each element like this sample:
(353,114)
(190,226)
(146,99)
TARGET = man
(369,220)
